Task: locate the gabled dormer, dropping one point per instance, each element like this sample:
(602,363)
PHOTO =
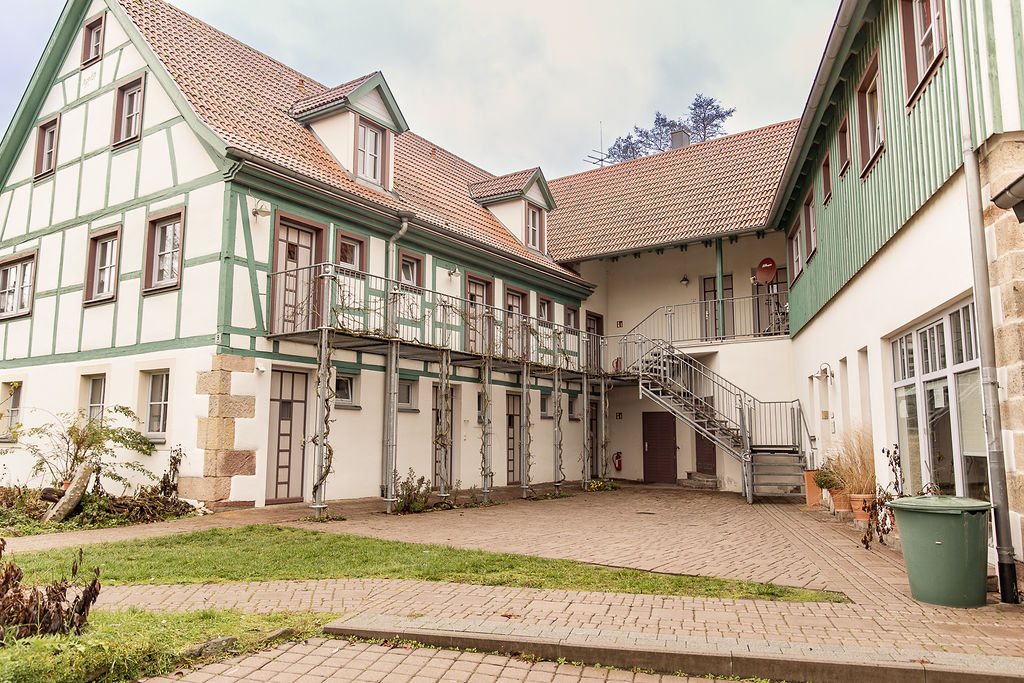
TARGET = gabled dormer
(520,201)
(356,123)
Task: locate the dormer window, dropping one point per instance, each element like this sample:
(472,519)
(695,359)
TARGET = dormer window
(370,161)
(534,227)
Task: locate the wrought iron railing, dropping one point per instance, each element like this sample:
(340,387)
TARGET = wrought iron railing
(306,299)
(717,320)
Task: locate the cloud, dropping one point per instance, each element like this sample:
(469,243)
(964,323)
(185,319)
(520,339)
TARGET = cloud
(514,85)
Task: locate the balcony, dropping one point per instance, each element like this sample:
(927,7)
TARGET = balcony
(364,312)
(746,318)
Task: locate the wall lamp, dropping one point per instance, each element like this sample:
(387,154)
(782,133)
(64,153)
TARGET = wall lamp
(454,272)
(824,373)
(260,210)
(685,280)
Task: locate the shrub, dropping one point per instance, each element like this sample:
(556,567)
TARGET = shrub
(826,478)
(29,610)
(411,494)
(853,461)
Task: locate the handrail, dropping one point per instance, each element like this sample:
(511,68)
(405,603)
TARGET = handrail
(754,316)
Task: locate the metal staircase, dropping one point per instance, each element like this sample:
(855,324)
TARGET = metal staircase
(769,438)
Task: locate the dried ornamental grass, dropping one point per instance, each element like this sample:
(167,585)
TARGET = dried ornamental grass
(853,461)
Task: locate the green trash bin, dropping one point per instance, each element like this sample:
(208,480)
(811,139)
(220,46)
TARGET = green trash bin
(945,547)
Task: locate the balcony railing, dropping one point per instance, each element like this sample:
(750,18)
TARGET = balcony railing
(361,304)
(717,320)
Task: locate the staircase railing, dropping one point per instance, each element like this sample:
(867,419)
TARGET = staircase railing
(717,320)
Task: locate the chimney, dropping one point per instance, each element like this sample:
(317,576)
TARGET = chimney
(680,138)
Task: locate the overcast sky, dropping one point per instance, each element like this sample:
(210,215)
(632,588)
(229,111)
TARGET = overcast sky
(511,85)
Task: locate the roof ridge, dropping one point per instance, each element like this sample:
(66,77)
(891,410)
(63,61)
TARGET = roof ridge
(299,103)
(142,33)
(695,145)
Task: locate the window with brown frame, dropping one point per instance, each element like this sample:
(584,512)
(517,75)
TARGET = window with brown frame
(796,251)
(128,112)
(826,180)
(46,146)
(164,239)
(410,269)
(810,228)
(844,146)
(92,39)
(534,227)
(923,31)
(869,117)
(545,309)
(350,251)
(17,285)
(370,152)
(101,276)
(572,317)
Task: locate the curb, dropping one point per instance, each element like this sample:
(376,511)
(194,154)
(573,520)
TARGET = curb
(726,664)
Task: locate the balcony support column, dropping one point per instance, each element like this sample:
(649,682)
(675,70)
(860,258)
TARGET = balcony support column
(588,447)
(388,471)
(486,473)
(603,424)
(323,378)
(524,433)
(556,397)
(443,435)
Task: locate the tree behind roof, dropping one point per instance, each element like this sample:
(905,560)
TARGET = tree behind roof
(706,120)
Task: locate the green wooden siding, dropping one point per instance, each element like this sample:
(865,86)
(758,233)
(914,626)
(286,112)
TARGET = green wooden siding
(922,147)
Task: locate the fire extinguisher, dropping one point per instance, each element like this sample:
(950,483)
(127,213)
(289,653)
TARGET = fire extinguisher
(617,461)
(617,364)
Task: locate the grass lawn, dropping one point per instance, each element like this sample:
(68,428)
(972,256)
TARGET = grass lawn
(264,552)
(127,645)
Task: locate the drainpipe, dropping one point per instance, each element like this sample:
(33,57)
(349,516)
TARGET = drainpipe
(389,455)
(986,332)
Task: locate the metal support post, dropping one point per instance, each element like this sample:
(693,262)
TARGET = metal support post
(486,474)
(556,397)
(588,448)
(444,428)
(323,378)
(524,432)
(603,416)
(388,471)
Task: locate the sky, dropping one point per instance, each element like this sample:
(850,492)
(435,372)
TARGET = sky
(513,85)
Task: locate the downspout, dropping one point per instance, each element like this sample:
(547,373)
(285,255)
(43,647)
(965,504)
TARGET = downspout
(389,456)
(986,332)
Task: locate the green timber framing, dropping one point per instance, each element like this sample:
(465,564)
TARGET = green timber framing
(921,150)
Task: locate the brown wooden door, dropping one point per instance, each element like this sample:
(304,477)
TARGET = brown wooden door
(443,452)
(287,443)
(659,448)
(513,422)
(517,333)
(295,301)
(712,308)
(478,323)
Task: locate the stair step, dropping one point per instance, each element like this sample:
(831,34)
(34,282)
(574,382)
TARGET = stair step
(777,459)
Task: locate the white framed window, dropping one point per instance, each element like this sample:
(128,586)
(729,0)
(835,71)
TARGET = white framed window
(574,407)
(810,227)
(344,391)
(534,227)
(410,271)
(407,394)
(97,390)
(927,33)
(92,39)
(166,260)
(796,252)
(10,410)
(132,114)
(350,253)
(46,147)
(16,284)
(370,159)
(104,267)
(873,105)
(157,404)
(545,405)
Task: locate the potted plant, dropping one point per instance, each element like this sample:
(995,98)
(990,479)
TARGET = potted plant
(853,453)
(827,478)
(812,492)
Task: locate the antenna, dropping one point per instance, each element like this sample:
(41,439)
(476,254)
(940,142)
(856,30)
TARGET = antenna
(597,157)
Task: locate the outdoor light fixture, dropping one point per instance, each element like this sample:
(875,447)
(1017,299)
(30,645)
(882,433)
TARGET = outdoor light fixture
(824,373)
(685,280)
(454,272)
(260,210)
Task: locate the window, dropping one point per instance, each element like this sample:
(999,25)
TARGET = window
(545,405)
(826,180)
(351,251)
(810,228)
(10,410)
(410,270)
(844,146)
(128,112)
(572,318)
(534,227)
(406,394)
(163,248)
(344,391)
(574,407)
(796,254)
(156,407)
(92,40)
(16,284)
(46,147)
(869,110)
(923,33)
(101,279)
(369,159)
(545,309)
(97,389)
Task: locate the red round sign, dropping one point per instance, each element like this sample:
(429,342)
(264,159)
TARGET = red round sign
(766,270)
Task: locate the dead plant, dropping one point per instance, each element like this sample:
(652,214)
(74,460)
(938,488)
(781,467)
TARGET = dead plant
(853,461)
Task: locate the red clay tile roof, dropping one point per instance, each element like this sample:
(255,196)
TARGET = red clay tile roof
(694,192)
(245,97)
(335,94)
(505,184)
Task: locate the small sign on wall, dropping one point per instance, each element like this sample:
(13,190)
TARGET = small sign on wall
(618,416)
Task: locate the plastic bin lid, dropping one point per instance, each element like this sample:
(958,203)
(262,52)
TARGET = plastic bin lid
(940,504)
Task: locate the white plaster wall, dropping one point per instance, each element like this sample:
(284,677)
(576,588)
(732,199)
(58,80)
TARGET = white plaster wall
(372,103)
(512,215)
(337,134)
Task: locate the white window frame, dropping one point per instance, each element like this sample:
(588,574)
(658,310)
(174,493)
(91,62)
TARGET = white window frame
(17,281)
(534,226)
(410,386)
(412,278)
(93,408)
(106,247)
(371,160)
(48,157)
(795,243)
(95,41)
(10,406)
(173,253)
(162,404)
(873,107)
(131,117)
(927,34)
(357,248)
(339,400)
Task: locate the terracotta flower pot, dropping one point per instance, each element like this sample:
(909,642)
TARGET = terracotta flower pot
(859,502)
(811,490)
(66,485)
(840,500)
